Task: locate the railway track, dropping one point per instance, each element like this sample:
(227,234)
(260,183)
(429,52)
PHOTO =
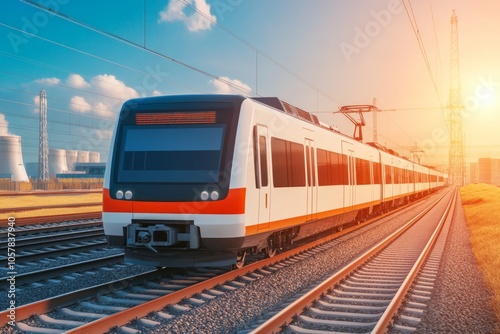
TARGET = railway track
(49,192)
(52,227)
(55,240)
(56,271)
(43,254)
(137,301)
(53,218)
(378,291)
(55,206)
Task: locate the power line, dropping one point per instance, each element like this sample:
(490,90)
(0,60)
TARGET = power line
(133,44)
(420,42)
(260,52)
(59,100)
(35,117)
(438,50)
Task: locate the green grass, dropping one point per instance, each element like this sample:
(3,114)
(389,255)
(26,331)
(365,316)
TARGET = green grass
(481,203)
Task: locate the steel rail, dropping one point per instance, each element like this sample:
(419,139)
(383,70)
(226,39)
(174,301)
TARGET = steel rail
(285,316)
(43,229)
(55,271)
(44,306)
(124,317)
(53,218)
(49,192)
(55,252)
(54,206)
(385,320)
(28,243)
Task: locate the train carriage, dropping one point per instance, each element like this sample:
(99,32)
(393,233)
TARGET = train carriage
(199,180)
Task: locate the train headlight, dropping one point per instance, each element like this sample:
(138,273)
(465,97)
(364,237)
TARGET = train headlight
(128,194)
(204,195)
(119,194)
(214,195)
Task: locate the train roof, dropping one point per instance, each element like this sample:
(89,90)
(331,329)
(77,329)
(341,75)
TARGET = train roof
(270,101)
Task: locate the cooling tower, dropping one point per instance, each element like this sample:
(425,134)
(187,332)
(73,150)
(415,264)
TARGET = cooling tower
(57,161)
(94,157)
(71,159)
(11,158)
(83,156)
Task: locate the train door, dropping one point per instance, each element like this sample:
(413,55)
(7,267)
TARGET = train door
(262,175)
(350,184)
(311,179)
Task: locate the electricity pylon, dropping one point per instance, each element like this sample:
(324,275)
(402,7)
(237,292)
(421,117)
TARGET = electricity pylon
(456,154)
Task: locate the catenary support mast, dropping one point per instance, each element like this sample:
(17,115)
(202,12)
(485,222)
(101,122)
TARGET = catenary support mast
(456,154)
(43,145)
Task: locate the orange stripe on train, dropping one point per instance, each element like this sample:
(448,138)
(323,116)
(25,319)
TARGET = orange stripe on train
(234,203)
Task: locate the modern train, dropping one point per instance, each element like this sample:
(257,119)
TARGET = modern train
(203,180)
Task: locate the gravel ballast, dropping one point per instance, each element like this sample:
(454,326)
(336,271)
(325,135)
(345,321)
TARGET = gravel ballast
(460,300)
(460,303)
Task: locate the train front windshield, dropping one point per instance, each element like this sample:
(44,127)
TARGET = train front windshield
(171,153)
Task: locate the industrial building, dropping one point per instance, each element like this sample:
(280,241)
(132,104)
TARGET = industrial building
(70,164)
(486,170)
(11,159)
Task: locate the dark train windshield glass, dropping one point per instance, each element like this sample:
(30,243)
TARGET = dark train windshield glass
(171,154)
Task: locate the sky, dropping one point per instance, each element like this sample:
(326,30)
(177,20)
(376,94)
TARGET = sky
(91,56)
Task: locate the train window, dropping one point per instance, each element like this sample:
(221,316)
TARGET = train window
(332,168)
(313,166)
(288,163)
(363,171)
(308,165)
(376,173)
(397,175)
(344,175)
(336,169)
(323,168)
(388,174)
(172,154)
(263,161)
(297,165)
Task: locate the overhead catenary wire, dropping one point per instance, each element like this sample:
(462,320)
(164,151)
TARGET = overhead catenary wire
(416,31)
(261,53)
(438,49)
(257,52)
(135,45)
(92,55)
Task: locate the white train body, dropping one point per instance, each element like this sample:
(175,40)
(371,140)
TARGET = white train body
(193,180)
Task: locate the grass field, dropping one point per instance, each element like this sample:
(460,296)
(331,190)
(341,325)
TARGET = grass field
(481,203)
(40,200)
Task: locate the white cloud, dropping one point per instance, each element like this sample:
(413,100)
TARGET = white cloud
(106,94)
(227,86)
(4,126)
(109,85)
(103,94)
(78,103)
(77,81)
(50,81)
(174,11)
